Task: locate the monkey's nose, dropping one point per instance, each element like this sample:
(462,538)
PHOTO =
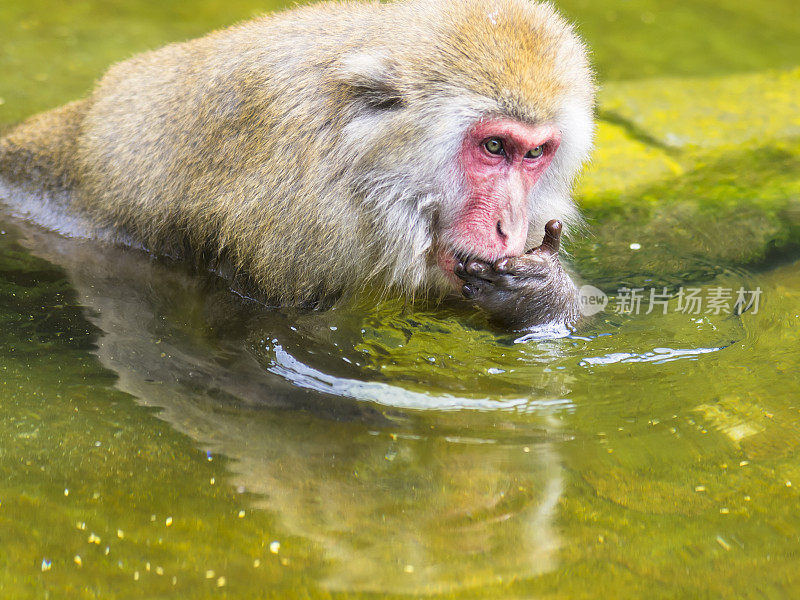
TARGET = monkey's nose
(511,235)
(500,231)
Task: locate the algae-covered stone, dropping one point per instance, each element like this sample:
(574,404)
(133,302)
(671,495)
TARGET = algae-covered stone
(732,209)
(622,162)
(691,177)
(705,113)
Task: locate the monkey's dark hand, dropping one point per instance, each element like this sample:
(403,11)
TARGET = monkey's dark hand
(522,291)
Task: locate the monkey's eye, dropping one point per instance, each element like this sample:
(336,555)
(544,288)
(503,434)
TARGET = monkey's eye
(535,152)
(494,146)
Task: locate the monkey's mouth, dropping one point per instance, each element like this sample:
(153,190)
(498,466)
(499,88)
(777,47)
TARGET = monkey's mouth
(446,260)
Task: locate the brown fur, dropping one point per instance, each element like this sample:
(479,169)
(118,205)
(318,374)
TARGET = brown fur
(313,149)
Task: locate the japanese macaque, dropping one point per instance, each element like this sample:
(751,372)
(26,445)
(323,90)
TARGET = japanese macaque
(419,147)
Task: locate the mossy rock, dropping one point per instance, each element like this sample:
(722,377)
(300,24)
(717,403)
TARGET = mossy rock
(700,175)
(732,209)
(732,111)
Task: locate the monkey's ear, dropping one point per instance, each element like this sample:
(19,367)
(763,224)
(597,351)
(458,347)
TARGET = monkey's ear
(368,78)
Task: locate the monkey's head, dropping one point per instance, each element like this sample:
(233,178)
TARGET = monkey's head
(468,134)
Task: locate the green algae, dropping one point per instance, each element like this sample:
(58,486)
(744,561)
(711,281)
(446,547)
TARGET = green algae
(733,209)
(719,150)
(735,110)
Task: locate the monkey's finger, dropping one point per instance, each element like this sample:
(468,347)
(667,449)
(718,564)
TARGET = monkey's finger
(522,267)
(460,271)
(552,236)
(475,270)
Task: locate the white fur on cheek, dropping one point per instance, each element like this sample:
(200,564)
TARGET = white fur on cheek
(409,188)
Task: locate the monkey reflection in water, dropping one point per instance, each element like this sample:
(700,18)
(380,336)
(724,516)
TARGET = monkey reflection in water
(417,147)
(396,500)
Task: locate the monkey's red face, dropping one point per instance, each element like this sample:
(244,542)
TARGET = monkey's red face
(502,159)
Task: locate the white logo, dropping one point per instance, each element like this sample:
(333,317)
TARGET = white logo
(591,300)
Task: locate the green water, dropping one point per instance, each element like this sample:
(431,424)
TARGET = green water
(160,438)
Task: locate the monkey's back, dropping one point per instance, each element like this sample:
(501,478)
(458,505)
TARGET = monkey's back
(217,144)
